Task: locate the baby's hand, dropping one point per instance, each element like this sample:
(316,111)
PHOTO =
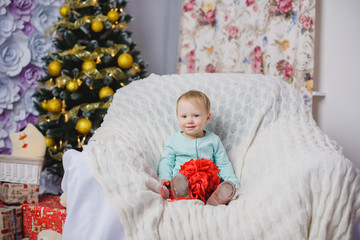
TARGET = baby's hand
(166,183)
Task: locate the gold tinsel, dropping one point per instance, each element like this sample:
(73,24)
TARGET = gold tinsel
(80,4)
(64,22)
(62,80)
(121,26)
(135,69)
(114,72)
(72,51)
(58,156)
(74,111)
(55,58)
(81,22)
(80,52)
(95,74)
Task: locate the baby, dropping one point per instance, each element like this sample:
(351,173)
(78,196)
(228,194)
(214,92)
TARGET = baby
(195,148)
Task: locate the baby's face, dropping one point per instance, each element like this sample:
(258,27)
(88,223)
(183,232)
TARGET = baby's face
(192,118)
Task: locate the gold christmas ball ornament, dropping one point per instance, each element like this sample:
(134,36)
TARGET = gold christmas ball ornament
(113,16)
(49,141)
(83,126)
(105,91)
(88,65)
(55,68)
(64,11)
(125,60)
(44,104)
(54,106)
(72,86)
(97,26)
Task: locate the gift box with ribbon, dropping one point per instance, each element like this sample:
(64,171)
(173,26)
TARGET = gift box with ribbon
(11,222)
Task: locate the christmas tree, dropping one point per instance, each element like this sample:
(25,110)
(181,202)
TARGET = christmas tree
(93,56)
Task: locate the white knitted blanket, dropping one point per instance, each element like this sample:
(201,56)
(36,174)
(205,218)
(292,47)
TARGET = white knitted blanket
(295,182)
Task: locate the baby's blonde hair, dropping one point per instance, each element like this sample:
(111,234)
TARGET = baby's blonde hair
(195,97)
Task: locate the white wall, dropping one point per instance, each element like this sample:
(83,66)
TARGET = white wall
(337,72)
(155,29)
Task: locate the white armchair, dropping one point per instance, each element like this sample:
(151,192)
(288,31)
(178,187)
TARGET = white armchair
(295,182)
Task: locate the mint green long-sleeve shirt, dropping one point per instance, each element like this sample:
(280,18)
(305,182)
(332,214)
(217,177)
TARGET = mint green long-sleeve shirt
(179,149)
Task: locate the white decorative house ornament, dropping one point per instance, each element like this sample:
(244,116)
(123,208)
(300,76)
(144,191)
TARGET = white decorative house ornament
(25,163)
(28,143)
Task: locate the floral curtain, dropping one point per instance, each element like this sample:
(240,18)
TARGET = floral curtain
(272,37)
(22,45)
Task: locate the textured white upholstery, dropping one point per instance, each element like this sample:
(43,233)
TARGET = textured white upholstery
(295,182)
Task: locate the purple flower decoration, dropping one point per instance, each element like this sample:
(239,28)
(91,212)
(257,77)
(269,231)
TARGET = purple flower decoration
(30,74)
(4,116)
(22,124)
(28,29)
(21,92)
(5,149)
(22,9)
(32,119)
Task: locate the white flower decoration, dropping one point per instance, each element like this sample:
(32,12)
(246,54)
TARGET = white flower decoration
(19,111)
(27,101)
(14,54)
(9,93)
(7,128)
(3,135)
(8,26)
(3,5)
(39,46)
(54,3)
(44,16)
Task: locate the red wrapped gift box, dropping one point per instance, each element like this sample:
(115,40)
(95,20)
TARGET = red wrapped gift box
(47,214)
